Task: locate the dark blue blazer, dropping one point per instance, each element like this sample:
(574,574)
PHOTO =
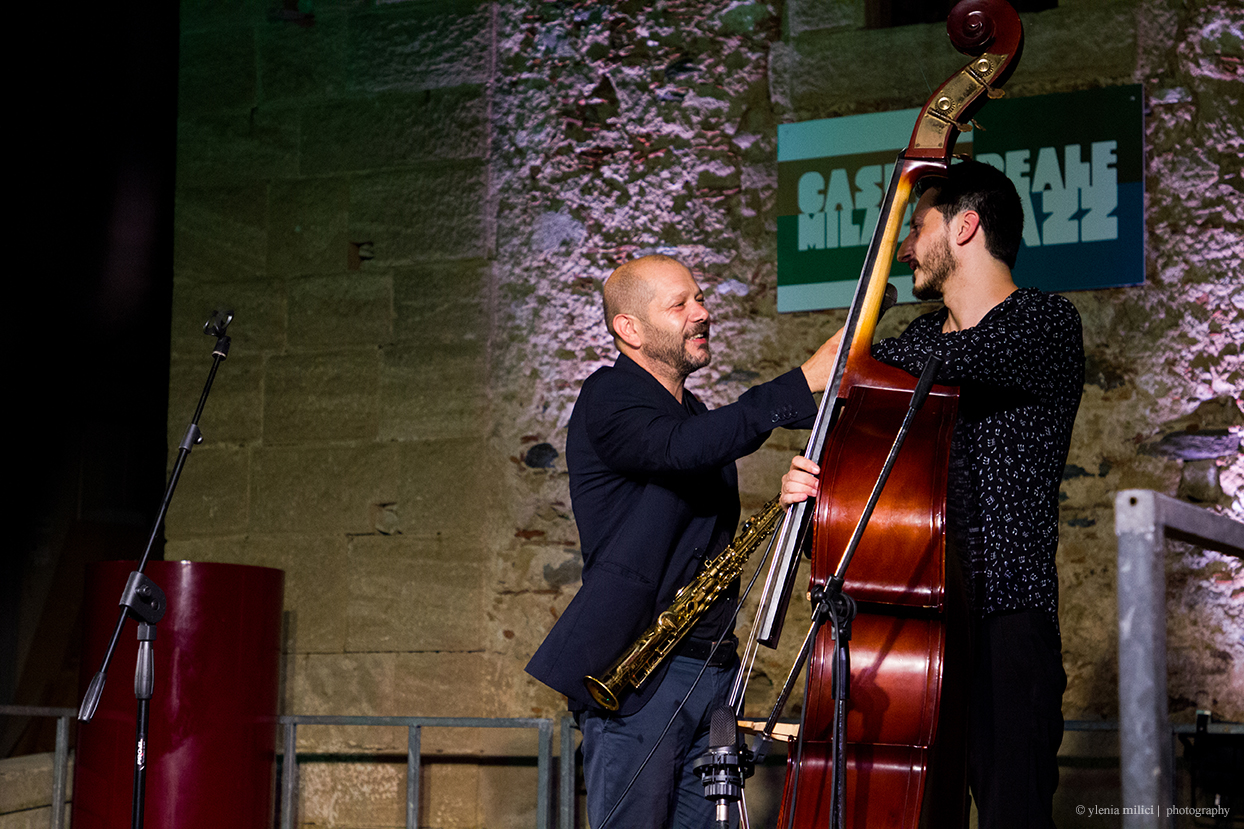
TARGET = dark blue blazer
(654,489)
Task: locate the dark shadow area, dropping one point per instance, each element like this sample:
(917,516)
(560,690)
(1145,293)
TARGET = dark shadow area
(89,306)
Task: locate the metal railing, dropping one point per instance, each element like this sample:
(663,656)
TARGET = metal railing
(414,726)
(60,761)
(1142,521)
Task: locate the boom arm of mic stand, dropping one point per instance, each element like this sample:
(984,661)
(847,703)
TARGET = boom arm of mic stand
(215,327)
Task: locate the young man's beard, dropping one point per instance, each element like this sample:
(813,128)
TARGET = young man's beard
(671,349)
(938,266)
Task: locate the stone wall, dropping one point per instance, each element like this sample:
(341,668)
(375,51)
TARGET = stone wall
(410,206)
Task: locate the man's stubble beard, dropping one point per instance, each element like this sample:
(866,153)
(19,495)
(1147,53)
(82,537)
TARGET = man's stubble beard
(939,266)
(671,349)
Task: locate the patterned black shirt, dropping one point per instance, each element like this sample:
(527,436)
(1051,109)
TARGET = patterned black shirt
(1021,372)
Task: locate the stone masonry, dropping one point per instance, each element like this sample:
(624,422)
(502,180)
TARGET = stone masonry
(410,206)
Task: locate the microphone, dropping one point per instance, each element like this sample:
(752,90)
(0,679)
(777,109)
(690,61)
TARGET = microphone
(725,764)
(888,301)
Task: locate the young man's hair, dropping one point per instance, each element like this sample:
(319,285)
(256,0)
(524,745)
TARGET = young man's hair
(972,185)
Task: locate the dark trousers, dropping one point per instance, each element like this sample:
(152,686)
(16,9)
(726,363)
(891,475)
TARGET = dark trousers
(668,793)
(1015,721)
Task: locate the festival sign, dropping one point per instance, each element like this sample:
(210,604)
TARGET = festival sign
(1076,159)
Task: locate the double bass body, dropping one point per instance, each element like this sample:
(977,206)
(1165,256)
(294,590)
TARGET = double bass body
(905,749)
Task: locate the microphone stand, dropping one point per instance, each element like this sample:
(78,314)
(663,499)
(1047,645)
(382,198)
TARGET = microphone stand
(143,600)
(829,602)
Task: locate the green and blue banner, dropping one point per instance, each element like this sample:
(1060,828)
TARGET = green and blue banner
(1076,159)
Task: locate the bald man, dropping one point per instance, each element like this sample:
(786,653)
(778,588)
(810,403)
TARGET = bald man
(655,495)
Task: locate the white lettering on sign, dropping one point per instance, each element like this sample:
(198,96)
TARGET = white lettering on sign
(827,210)
(1077,196)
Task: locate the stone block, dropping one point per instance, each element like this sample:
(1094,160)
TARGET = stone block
(331,312)
(421,46)
(26,787)
(760,474)
(507,796)
(412,594)
(807,15)
(514,692)
(451,795)
(321,489)
(315,570)
(234,410)
(364,795)
(819,74)
(430,392)
(307,226)
(353,794)
(215,149)
(394,129)
(303,62)
(321,397)
(220,234)
(259,318)
(218,70)
(448,488)
(26,819)
(445,684)
(529,588)
(213,493)
(419,215)
(1055,53)
(446,303)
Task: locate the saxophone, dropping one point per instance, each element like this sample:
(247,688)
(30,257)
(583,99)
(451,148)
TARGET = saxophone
(638,662)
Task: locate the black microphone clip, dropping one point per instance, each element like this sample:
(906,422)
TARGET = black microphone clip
(725,765)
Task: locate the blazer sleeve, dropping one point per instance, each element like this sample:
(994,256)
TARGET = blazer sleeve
(635,433)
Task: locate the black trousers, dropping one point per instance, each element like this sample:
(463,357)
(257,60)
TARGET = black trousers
(1015,721)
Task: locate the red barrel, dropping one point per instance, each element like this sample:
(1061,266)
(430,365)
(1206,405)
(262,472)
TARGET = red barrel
(211,757)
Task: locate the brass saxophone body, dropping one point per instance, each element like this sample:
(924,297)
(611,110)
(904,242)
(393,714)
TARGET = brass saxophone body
(638,662)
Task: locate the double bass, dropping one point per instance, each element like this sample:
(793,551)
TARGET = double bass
(901,732)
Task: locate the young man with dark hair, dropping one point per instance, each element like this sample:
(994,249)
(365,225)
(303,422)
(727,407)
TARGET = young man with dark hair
(1017,355)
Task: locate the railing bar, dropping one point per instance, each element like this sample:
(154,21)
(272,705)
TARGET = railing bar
(1211,530)
(1143,521)
(1145,768)
(289,772)
(437,722)
(1091,725)
(412,776)
(289,789)
(60,772)
(37,711)
(566,769)
(543,775)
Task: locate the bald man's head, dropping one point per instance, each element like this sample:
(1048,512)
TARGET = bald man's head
(628,291)
(655,311)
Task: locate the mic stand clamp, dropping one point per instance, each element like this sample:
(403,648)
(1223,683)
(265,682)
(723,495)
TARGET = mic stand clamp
(145,602)
(725,765)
